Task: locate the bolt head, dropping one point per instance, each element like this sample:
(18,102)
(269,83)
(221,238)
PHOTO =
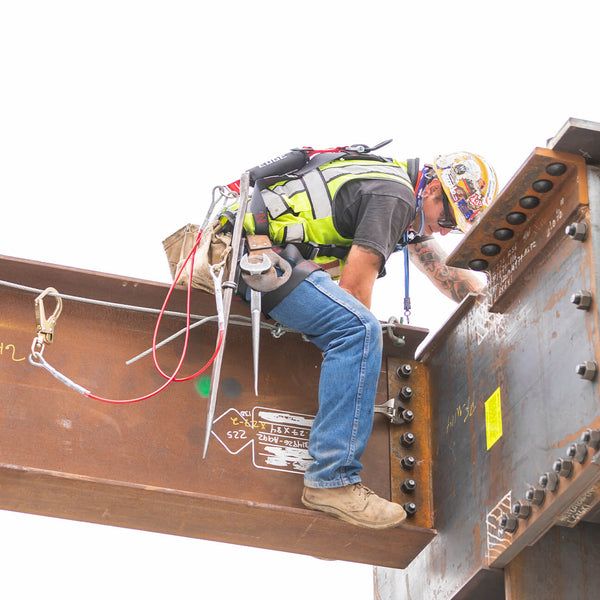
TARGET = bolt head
(549,481)
(521,509)
(408,416)
(576,231)
(587,370)
(582,299)
(577,451)
(410,508)
(563,466)
(407,439)
(535,495)
(508,523)
(591,437)
(408,462)
(408,486)
(404,371)
(405,393)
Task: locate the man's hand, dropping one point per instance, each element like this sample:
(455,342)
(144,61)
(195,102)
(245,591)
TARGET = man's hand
(360,271)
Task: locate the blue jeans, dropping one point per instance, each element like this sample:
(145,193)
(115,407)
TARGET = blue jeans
(350,338)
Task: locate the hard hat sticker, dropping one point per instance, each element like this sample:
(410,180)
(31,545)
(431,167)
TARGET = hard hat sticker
(493,419)
(469,183)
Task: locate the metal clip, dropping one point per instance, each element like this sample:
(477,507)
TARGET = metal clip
(45,326)
(395,412)
(398,341)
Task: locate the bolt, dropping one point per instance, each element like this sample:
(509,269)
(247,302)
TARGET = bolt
(478,264)
(576,231)
(535,495)
(410,508)
(522,509)
(582,299)
(408,486)
(541,186)
(516,218)
(563,466)
(408,462)
(405,393)
(503,234)
(587,370)
(403,417)
(404,371)
(577,451)
(591,437)
(508,523)
(549,481)
(407,439)
(407,415)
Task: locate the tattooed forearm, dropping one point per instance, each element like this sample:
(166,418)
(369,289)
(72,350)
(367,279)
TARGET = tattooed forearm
(454,283)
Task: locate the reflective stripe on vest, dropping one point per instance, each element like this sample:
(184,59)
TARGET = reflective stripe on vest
(322,184)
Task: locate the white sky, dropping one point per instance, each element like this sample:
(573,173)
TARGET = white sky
(118,117)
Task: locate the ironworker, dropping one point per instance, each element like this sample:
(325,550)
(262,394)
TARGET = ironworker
(346,213)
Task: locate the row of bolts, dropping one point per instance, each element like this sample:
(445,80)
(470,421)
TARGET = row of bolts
(535,495)
(407,439)
(549,482)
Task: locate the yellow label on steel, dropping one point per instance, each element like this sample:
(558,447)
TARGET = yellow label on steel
(493,419)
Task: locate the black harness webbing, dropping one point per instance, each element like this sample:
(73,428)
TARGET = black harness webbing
(299,273)
(257,204)
(309,250)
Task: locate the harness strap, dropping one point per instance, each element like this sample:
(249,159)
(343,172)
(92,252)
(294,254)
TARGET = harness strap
(258,209)
(412,168)
(310,250)
(316,187)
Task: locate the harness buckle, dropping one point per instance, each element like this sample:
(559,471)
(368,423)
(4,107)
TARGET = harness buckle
(311,249)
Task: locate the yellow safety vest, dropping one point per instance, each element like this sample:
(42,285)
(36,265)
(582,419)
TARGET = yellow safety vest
(299,210)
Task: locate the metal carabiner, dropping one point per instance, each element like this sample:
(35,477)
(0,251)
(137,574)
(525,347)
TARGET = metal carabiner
(45,325)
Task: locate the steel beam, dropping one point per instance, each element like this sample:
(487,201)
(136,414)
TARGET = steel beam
(510,386)
(139,465)
(563,565)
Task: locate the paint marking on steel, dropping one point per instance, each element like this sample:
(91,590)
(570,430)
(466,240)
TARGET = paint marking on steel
(279,439)
(495,537)
(493,419)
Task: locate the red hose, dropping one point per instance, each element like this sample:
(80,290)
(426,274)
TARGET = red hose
(173,377)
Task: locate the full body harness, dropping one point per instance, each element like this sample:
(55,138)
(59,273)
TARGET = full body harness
(292,204)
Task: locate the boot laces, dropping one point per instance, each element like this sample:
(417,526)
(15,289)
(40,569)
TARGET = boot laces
(363,490)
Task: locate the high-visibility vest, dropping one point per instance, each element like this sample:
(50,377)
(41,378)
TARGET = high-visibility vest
(299,209)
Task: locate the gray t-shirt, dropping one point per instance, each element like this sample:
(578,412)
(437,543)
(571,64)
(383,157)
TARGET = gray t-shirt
(375,213)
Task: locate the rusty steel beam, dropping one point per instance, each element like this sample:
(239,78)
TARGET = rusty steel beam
(514,232)
(563,565)
(140,465)
(513,386)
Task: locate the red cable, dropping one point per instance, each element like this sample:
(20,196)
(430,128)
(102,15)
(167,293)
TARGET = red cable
(173,377)
(219,341)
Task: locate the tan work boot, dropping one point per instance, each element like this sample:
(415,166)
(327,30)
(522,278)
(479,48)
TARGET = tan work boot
(355,504)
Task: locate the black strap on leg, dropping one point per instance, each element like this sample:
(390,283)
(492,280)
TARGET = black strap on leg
(299,273)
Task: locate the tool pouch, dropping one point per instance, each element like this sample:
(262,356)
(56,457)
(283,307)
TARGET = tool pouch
(214,248)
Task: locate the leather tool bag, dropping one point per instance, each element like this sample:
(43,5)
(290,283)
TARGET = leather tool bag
(214,249)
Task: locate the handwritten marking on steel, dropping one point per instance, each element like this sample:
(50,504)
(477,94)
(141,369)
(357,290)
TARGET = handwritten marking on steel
(496,539)
(279,439)
(13,352)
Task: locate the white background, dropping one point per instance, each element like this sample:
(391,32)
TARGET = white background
(118,117)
